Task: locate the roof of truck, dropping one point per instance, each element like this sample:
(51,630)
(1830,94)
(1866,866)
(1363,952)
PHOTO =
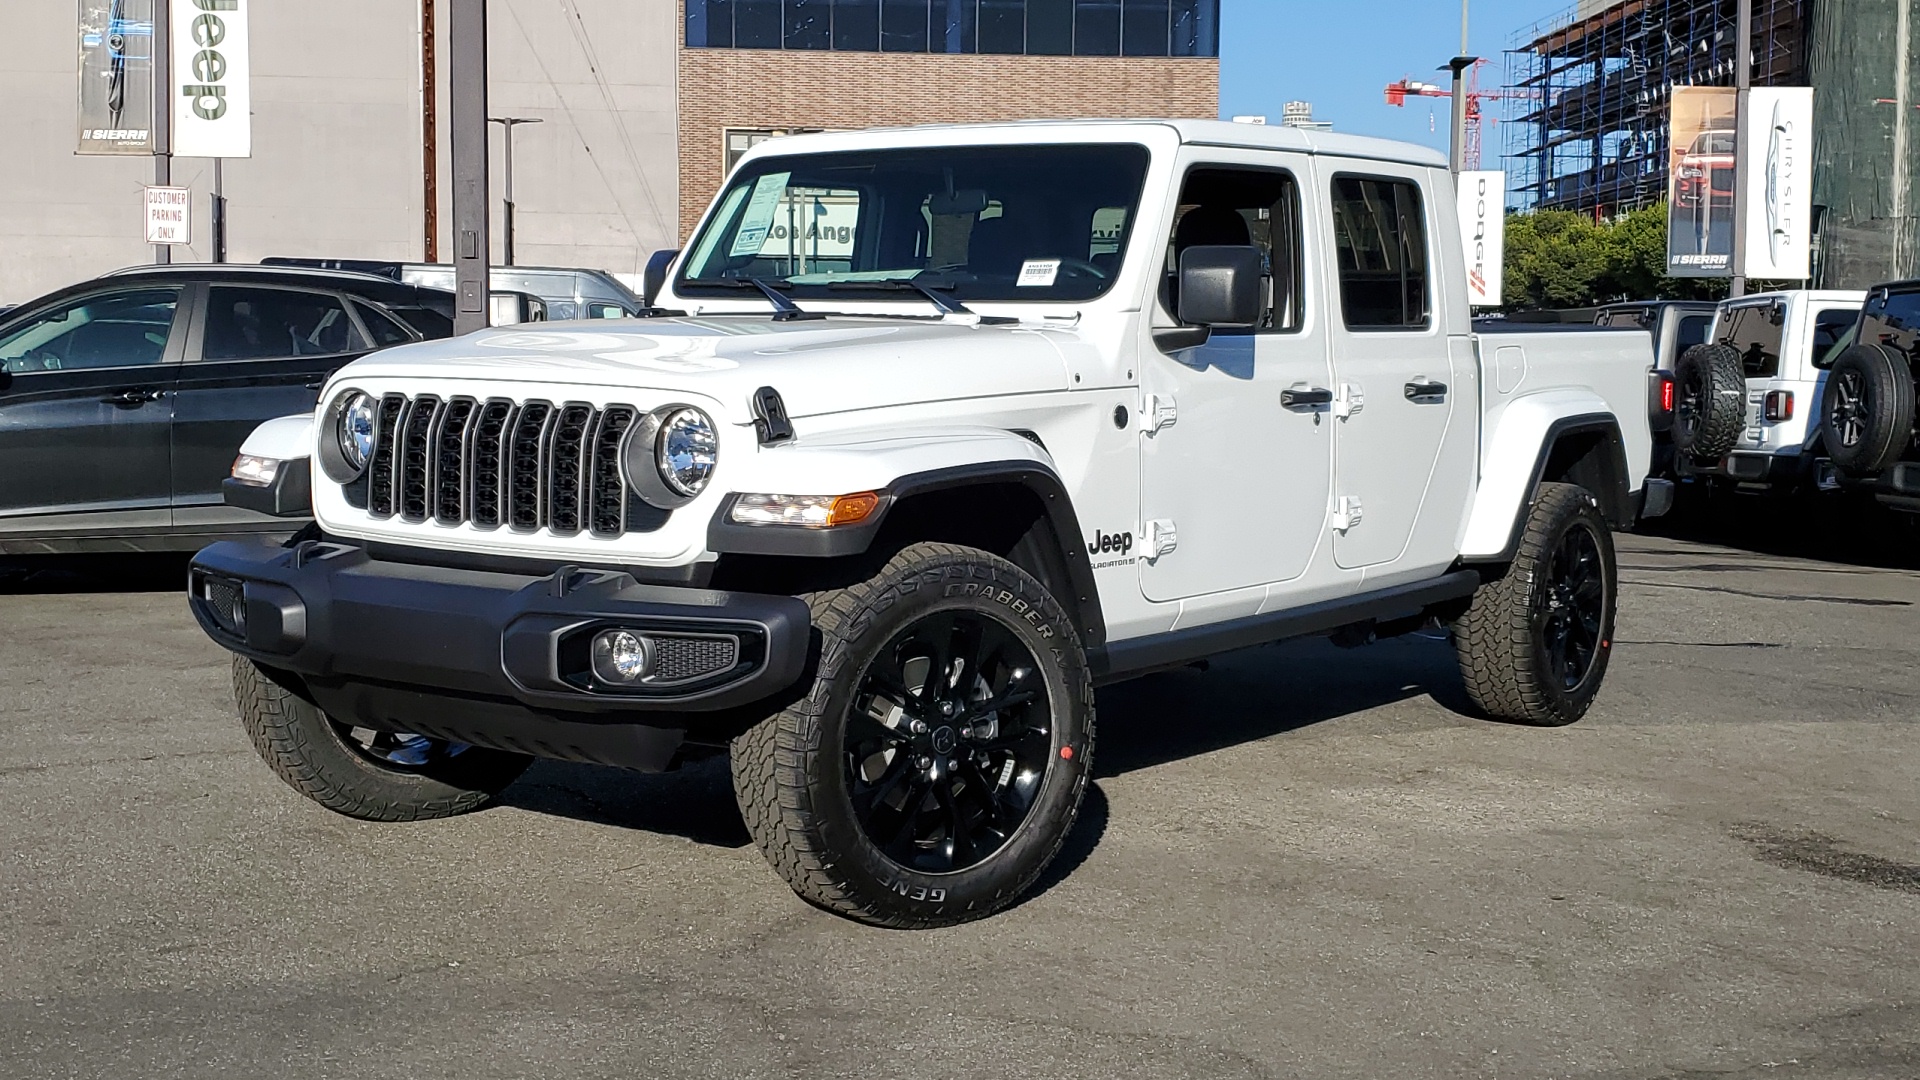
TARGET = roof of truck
(1194,132)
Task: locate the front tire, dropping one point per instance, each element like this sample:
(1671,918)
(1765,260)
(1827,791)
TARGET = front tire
(937,763)
(373,776)
(1533,646)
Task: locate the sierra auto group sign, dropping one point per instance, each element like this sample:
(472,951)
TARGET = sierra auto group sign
(212,76)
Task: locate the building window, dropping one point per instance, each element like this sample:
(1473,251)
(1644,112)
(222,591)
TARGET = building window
(737,141)
(1186,28)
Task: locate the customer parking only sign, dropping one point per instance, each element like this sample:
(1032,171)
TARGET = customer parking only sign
(167,215)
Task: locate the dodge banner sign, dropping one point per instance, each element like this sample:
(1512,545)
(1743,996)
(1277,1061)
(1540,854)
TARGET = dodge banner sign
(212,102)
(116,77)
(1778,200)
(1483,229)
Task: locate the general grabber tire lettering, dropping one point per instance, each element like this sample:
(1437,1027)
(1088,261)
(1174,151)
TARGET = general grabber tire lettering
(937,761)
(330,764)
(1533,645)
(1710,407)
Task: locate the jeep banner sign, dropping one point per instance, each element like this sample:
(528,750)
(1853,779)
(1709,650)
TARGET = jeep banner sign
(212,105)
(1700,171)
(116,77)
(1778,201)
(1483,229)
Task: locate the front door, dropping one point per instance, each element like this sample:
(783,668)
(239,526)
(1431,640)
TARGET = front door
(1234,471)
(1406,395)
(261,353)
(85,405)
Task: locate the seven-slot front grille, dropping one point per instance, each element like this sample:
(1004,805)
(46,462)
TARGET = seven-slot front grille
(526,465)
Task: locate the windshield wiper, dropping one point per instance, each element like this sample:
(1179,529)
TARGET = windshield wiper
(784,310)
(948,305)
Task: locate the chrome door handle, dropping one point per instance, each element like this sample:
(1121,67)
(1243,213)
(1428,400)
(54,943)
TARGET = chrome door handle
(135,396)
(1423,392)
(1305,399)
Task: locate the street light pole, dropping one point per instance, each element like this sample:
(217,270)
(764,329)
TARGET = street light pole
(1743,93)
(507,124)
(1460,65)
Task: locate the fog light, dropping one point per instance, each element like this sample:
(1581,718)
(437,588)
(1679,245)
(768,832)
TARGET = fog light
(621,656)
(255,471)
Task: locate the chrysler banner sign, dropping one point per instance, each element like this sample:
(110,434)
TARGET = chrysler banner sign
(1778,203)
(1483,228)
(212,102)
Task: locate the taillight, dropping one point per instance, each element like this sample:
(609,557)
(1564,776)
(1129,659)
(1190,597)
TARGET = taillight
(1779,406)
(1666,393)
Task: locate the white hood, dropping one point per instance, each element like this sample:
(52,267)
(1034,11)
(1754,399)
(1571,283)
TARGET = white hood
(819,366)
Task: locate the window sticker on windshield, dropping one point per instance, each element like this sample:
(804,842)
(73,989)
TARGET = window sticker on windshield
(758,220)
(1038,273)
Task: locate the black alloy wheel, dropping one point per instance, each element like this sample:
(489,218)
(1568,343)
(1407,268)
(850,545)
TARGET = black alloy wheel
(1568,624)
(949,739)
(1848,417)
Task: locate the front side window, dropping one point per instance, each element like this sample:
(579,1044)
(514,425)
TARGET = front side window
(1237,208)
(1754,333)
(275,324)
(1008,223)
(1380,233)
(110,330)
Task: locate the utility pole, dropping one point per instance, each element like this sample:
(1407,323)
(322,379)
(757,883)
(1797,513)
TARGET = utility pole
(218,219)
(430,130)
(467,95)
(1460,65)
(1743,92)
(507,124)
(162,109)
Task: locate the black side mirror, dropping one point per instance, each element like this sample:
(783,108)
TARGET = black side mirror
(1221,286)
(655,278)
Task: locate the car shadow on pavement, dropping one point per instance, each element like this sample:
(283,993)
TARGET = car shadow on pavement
(694,802)
(1836,529)
(114,572)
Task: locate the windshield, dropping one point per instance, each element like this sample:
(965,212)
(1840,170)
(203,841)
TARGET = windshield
(1714,142)
(1044,223)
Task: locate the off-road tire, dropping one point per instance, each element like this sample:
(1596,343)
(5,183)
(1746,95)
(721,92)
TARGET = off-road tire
(1710,388)
(1499,641)
(301,745)
(789,770)
(1882,412)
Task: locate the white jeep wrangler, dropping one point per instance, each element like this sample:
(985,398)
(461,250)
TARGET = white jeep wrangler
(933,431)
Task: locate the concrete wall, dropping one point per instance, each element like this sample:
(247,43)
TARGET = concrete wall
(776,89)
(336,167)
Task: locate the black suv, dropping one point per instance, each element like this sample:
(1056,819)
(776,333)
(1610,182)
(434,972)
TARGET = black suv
(1867,415)
(123,400)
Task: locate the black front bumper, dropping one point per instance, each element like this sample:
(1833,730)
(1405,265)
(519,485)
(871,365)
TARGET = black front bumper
(495,659)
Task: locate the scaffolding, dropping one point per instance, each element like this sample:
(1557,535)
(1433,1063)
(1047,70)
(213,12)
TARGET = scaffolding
(1588,92)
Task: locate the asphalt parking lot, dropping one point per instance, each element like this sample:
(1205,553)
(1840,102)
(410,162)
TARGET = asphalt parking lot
(1302,862)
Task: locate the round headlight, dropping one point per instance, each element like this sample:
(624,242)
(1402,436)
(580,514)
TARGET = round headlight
(356,431)
(685,450)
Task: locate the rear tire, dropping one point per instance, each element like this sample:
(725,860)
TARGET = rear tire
(937,763)
(1866,417)
(1533,645)
(321,759)
(1710,402)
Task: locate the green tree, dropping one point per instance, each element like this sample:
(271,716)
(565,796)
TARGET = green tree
(1559,259)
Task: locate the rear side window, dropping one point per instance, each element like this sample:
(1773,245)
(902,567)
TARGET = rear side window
(1628,318)
(276,324)
(1380,234)
(386,329)
(1754,333)
(1693,331)
(431,324)
(1830,328)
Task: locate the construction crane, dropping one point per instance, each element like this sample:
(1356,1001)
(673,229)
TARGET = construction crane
(1398,93)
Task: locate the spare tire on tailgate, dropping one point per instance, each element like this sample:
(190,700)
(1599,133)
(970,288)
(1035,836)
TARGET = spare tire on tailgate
(1866,417)
(1710,402)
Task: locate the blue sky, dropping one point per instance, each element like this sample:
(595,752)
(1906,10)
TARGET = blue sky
(1341,54)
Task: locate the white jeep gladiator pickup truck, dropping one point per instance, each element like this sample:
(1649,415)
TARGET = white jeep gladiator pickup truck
(929,433)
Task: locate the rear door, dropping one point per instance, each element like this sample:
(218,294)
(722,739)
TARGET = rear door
(85,406)
(258,352)
(1406,394)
